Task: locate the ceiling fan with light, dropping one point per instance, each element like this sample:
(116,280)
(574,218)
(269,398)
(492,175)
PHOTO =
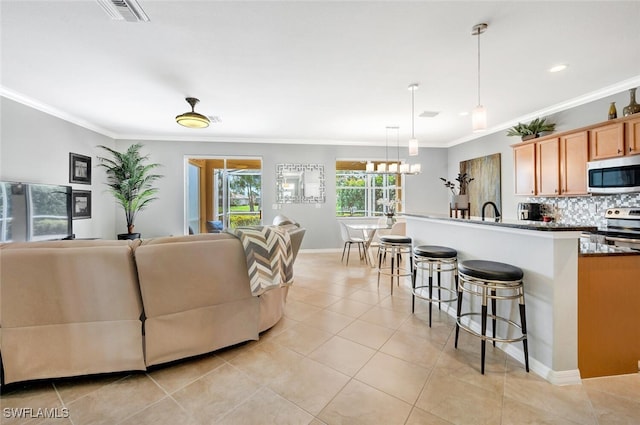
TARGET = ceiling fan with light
(193,119)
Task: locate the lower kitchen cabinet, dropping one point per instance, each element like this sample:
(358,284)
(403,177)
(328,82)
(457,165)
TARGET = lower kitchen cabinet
(608,315)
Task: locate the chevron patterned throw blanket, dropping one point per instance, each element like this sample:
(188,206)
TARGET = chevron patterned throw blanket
(269,256)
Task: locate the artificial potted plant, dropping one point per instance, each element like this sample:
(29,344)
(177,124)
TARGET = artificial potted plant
(130,179)
(532,130)
(460,197)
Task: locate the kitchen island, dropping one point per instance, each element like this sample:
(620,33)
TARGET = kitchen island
(548,254)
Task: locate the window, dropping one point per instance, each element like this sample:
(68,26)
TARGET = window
(358,193)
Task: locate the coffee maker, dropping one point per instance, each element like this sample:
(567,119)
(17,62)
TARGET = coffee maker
(529,211)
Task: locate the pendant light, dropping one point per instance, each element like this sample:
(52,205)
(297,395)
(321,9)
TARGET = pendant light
(479,113)
(413,142)
(192,119)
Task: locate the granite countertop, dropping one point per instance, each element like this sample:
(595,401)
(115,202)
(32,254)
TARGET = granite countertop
(515,224)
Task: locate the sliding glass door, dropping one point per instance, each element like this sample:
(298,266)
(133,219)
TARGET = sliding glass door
(230,193)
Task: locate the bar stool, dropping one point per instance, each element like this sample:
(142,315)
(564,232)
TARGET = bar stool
(439,259)
(395,246)
(493,281)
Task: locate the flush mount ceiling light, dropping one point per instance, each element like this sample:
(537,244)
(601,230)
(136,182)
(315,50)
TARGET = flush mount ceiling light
(479,114)
(192,119)
(413,142)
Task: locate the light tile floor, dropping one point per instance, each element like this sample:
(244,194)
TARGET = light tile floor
(345,353)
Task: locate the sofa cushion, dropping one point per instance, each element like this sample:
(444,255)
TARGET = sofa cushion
(69,308)
(177,276)
(45,286)
(196,295)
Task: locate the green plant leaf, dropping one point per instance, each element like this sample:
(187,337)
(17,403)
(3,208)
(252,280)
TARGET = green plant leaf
(130,179)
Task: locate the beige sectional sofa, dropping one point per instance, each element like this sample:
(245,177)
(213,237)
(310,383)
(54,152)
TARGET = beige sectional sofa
(79,307)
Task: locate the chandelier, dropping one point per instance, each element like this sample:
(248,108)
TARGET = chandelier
(393,167)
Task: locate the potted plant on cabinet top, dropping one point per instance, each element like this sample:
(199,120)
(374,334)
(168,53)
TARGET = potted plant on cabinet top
(459,198)
(130,179)
(532,130)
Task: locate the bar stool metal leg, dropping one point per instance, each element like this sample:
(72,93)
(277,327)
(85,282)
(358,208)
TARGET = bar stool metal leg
(394,246)
(430,259)
(491,281)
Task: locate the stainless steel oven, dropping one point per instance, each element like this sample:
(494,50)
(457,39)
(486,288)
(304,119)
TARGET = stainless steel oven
(623,227)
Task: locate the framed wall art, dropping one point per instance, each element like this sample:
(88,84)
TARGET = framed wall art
(79,168)
(81,204)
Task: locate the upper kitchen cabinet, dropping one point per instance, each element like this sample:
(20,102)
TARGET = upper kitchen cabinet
(632,138)
(552,166)
(574,154)
(525,167)
(606,141)
(548,167)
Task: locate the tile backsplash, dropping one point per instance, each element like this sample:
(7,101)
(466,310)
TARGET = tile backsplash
(585,210)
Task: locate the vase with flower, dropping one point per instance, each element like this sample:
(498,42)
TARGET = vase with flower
(389,209)
(459,195)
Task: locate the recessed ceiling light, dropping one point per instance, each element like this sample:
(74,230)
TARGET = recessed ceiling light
(558,68)
(463,113)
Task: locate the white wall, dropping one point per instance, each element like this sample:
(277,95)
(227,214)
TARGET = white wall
(35,147)
(166,215)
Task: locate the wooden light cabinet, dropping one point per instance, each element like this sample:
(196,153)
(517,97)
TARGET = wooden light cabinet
(608,305)
(607,141)
(574,154)
(548,167)
(525,166)
(632,136)
(552,166)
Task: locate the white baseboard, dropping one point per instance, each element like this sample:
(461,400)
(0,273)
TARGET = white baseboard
(516,351)
(321,250)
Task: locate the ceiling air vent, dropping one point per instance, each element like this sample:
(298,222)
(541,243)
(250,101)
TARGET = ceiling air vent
(124,10)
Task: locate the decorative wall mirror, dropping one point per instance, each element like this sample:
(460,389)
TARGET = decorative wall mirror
(300,183)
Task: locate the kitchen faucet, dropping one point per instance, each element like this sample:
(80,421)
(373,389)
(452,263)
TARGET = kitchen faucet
(496,213)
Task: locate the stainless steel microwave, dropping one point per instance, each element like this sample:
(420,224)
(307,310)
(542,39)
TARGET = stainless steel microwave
(616,175)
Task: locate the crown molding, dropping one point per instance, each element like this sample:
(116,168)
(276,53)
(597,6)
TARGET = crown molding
(558,107)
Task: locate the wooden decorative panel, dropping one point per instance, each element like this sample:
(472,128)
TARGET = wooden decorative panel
(486,185)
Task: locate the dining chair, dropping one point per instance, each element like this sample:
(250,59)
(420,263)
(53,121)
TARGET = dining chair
(349,240)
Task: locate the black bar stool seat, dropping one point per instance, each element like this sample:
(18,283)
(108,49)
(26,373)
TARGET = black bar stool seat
(495,281)
(399,239)
(491,270)
(439,259)
(435,251)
